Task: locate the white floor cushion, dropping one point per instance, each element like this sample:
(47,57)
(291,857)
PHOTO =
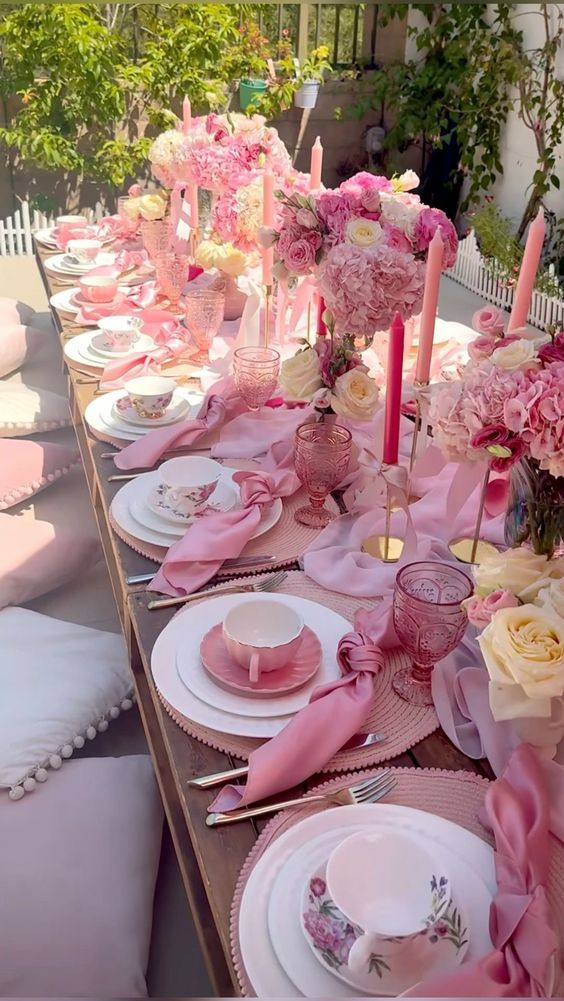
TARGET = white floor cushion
(78,872)
(60,685)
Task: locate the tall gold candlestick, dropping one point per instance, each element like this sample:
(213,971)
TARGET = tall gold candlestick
(386,547)
(474,549)
(267,301)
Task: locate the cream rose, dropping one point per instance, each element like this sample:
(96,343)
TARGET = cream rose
(131,207)
(152,207)
(206,254)
(517,570)
(523,648)
(230,260)
(355,395)
(364,232)
(551,597)
(517,355)
(300,376)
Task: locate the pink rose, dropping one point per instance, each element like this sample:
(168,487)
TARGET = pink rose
(480,611)
(371,203)
(307,218)
(489,320)
(395,238)
(482,347)
(428,222)
(135,191)
(300,255)
(553,351)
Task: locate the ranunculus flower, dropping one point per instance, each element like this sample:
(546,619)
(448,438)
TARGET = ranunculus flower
(523,649)
(489,320)
(355,395)
(515,354)
(363,232)
(481,610)
(428,221)
(519,571)
(300,375)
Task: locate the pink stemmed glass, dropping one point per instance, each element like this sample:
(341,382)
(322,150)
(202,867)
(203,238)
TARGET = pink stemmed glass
(172,275)
(156,235)
(204,316)
(130,225)
(256,372)
(321,453)
(429,622)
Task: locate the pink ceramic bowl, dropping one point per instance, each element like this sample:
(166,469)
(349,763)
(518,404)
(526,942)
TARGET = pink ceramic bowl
(262,635)
(98,288)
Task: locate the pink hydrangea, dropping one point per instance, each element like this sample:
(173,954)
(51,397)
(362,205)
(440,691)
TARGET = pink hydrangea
(428,221)
(363,182)
(334,211)
(364,288)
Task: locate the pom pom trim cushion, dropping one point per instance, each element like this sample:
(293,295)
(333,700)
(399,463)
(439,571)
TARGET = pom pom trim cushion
(26,467)
(25,410)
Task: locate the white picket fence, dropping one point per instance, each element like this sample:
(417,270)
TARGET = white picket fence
(471,271)
(16,231)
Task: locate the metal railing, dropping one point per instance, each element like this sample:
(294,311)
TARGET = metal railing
(346,29)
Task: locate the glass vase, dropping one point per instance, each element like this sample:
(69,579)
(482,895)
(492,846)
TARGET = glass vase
(535,509)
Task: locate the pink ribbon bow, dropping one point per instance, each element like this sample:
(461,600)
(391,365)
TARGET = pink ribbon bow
(216,537)
(334,714)
(220,404)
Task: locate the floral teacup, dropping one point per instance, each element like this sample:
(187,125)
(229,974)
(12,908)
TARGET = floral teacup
(389,886)
(189,483)
(150,395)
(120,332)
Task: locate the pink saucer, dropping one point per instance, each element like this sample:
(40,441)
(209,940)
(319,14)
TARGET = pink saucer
(227,674)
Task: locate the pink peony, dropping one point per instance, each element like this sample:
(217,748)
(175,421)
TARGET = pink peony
(396,239)
(324,931)
(480,611)
(428,221)
(489,320)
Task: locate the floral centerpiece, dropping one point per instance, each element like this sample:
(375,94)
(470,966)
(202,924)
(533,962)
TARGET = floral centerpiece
(231,263)
(333,377)
(519,606)
(365,243)
(508,409)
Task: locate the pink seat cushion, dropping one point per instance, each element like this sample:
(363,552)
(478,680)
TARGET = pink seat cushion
(18,344)
(36,557)
(29,466)
(80,860)
(14,311)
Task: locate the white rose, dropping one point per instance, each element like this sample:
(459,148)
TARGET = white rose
(517,355)
(517,570)
(131,208)
(231,260)
(355,395)
(399,213)
(551,597)
(408,180)
(523,648)
(300,375)
(364,232)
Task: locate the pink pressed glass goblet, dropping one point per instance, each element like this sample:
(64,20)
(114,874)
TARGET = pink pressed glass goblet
(321,453)
(256,372)
(156,235)
(172,275)
(204,316)
(429,621)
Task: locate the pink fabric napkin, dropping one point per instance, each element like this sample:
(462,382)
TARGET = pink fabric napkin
(218,406)
(334,714)
(138,297)
(252,434)
(522,963)
(65,233)
(215,537)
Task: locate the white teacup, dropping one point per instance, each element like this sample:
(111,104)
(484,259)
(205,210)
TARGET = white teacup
(120,332)
(84,251)
(71,220)
(262,635)
(189,483)
(389,886)
(150,395)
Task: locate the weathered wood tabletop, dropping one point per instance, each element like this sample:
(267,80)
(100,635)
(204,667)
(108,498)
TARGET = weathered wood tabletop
(210,860)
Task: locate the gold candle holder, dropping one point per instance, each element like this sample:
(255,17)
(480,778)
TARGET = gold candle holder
(419,387)
(387,548)
(267,304)
(473,550)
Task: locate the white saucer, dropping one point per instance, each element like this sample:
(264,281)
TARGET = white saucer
(177,409)
(77,349)
(98,339)
(225,497)
(64,301)
(100,419)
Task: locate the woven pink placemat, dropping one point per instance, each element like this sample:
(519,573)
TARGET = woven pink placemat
(403,724)
(456,796)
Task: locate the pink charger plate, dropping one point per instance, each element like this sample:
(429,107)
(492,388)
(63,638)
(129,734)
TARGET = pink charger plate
(226,672)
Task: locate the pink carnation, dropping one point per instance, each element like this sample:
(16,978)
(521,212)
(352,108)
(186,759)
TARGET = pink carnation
(489,320)
(428,221)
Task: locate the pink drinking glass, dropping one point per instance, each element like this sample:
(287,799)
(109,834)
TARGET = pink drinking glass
(321,453)
(256,372)
(156,235)
(172,275)
(130,225)
(429,622)
(204,316)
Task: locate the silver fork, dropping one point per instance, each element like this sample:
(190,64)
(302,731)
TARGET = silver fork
(268,584)
(370,791)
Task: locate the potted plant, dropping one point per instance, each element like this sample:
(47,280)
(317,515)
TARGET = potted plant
(246,62)
(310,77)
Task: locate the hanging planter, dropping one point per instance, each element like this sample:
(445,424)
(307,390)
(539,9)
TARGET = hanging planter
(249,90)
(306,95)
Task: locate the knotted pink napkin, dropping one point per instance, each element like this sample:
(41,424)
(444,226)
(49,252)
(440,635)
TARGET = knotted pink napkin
(219,405)
(334,714)
(522,963)
(117,373)
(216,537)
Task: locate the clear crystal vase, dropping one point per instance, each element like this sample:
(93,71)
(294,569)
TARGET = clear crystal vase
(535,509)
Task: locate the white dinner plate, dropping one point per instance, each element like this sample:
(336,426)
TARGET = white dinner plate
(225,495)
(263,967)
(64,301)
(78,349)
(122,515)
(46,237)
(185,633)
(61,264)
(100,417)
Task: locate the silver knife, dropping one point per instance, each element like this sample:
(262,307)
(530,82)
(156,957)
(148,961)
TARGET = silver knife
(218,778)
(240,563)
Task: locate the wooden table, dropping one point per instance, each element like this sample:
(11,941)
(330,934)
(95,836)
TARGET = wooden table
(209,860)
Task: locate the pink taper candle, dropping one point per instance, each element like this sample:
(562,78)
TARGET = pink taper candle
(527,273)
(321,329)
(394,376)
(429,310)
(267,220)
(315,165)
(193,203)
(186,116)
